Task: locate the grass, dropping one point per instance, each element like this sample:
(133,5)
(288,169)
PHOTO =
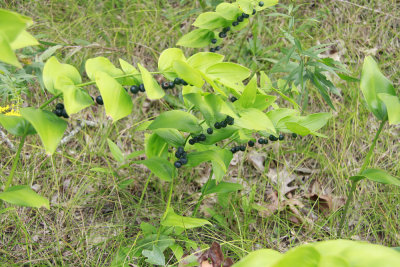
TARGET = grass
(92,216)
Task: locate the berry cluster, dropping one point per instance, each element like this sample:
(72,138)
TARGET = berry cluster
(197,139)
(225,30)
(137,88)
(171,85)
(233,99)
(228,121)
(238,148)
(60,111)
(182,156)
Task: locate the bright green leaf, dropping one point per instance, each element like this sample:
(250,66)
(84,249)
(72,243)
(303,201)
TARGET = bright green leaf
(202,60)
(373,82)
(210,21)
(228,11)
(166,61)
(189,74)
(380,176)
(196,39)
(16,125)
(229,74)
(154,256)
(260,258)
(101,64)
(49,127)
(248,96)
(115,151)
(160,167)
(392,103)
(24,196)
(176,119)
(174,220)
(153,89)
(155,146)
(171,136)
(254,119)
(117,102)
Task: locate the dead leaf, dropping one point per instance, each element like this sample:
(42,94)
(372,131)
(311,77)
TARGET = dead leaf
(282,179)
(215,256)
(257,159)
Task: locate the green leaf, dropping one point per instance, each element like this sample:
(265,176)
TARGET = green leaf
(228,11)
(265,82)
(49,127)
(220,135)
(16,125)
(7,55)
(380,176)
(155,146)
(174,220)
(171,136)
(166,61)
(373,82)
(305,256)
(130,69)
(196,39)
(176,119)
(200,104)
(75,99)
(115,151)
(201,61)
(160,167)
(392,104)
(117,102)
(229,74)
(101,64)
(248,96)
(254,119)
(316,121)
(297,128)
(24,39)
(53,69)
(153,89)
(12,24)
(189,74)
(154,256)
(24,196)
(217,159)
(260,258)
(210,21)
(222,187)
(177,250)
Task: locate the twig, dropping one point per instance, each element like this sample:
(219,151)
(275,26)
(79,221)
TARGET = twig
(82,124)
(6,140)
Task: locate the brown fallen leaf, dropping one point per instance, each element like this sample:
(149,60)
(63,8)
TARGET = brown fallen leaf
(214,257)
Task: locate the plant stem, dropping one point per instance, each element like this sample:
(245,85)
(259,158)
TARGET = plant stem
(354,183)
(15,163)
(196,208)
(45,104)
(142,196)
(171,189)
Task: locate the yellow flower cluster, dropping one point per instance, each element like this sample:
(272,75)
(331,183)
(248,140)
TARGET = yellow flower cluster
(10,110)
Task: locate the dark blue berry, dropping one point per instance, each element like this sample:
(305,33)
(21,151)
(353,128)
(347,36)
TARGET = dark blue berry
(245,15)
(273,138)
(217,48)
(212,50)
(134,89)
(281,137)
(64,114)
(141,88)
(233,150)
(178,164)
(235,23)
(261,3)
(226,29)
(184,82)
(254,12)
(183,161)
(60,106)
(192,141)
(217,125)
(178,154)
(214,41)
(229,120)
(294,135)
(240,18)
(242,148)
(58,112)
(202,137)
(177,81)
(222,35)
(233,99)
(181,149)
(251,143)
(171,85)
(210,131)
(165,85)
(261,141)
(223,124)
(99,100)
